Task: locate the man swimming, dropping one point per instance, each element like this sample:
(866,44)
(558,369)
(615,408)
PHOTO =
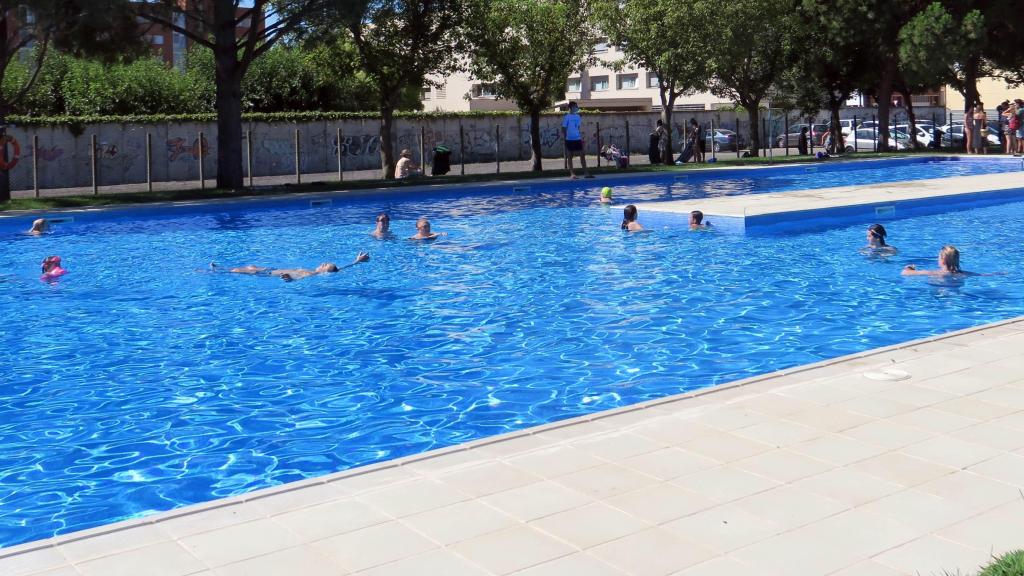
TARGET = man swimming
(697,221)
(423,231)
(292,274)
(383,229)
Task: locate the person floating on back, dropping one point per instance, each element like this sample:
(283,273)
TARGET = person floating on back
(876,242)
(697,221)
(423,231)
(291,274)
(572,133)
(629,223)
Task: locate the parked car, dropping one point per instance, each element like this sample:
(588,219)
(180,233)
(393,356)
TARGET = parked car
(864,139)
(953,134)
(723,140)
(847,125)
(924,136)
(815,131)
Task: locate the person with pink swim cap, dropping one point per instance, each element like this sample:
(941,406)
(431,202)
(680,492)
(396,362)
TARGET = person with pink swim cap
(52,269)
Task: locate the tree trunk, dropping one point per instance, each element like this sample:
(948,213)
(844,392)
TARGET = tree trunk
(668,102)
(535,148)
(229,124)
(229,99)
(387,150)
(971,96)
(754,120)
(5,175)
(911,119)
(884,97)
(836,129)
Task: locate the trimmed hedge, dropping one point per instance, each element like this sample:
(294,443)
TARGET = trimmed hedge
(261,117)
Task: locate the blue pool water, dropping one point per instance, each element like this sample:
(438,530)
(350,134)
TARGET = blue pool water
(141,382)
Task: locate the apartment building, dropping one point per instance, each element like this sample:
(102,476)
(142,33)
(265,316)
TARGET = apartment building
(598,87)
(171,46)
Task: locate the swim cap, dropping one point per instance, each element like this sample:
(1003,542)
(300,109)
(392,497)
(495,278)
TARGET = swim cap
(606,192)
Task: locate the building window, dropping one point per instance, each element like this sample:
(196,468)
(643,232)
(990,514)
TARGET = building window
(483,91)
(652,80)
(441,92)
(574,85)
(156,40)
(425,93)
(601,46)
(599,83)
(627,82)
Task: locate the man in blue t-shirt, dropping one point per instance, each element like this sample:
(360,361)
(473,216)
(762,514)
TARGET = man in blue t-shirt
(572,133)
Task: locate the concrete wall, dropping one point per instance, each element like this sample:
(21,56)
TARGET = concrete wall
(64,159)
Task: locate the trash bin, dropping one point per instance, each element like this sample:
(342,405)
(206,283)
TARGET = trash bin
(442,161)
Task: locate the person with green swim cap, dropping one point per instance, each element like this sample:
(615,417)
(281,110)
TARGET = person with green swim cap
(606,195)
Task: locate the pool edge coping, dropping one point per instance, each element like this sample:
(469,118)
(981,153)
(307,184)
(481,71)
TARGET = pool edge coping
(404,461)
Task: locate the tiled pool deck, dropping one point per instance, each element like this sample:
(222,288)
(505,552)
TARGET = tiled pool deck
(813,471)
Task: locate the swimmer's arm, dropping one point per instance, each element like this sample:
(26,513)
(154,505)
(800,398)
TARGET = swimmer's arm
(360,257)
(911,270)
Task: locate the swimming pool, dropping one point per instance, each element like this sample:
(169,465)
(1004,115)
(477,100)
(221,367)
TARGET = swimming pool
(141,382)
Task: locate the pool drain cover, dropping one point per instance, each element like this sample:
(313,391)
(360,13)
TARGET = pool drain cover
(889,375)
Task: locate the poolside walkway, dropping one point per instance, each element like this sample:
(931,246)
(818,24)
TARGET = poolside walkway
(901,461)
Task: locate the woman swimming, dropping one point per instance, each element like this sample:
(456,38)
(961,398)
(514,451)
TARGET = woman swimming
(291,274)
(629,222)
(949,265)
(423,231)
(39,227)
(876,241)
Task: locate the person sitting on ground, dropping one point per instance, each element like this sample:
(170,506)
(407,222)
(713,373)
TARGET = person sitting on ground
(612,154)
(383,229)
(949,265)
(423,231)
(39,227)
(629,222)
(697,221)
(876,241)
(291,274)
(406,168)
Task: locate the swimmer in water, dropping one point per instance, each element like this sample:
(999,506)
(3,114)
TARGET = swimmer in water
(383,229)
(51,269)
(423,231)
(292,274)
(876,241)
(949,265)
(697,221)
(629,222)
(39,227)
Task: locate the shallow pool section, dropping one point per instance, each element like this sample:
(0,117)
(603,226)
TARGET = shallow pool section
(142,382)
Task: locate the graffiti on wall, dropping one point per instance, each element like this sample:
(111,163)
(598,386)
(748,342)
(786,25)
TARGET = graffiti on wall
(106,150)
(179,148)
(49,154)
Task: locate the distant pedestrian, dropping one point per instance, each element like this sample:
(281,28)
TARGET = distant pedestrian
(659,143)
(980,130)
(801,143)
(1010,114)
(1020,125)
(696,141)
(572,134)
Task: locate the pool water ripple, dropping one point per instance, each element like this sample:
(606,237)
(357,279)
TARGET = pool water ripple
(142,382)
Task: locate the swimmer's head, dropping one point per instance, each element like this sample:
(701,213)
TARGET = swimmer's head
(39,226)
(326,267)
(876,234)
(383,222)
(606,192)
(696,217)
(423,226)
(628,215)
(949,258)
(49,263)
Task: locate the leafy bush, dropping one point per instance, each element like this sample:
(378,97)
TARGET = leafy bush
(1009,564)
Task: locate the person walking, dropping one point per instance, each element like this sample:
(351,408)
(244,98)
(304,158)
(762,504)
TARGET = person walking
(969,129)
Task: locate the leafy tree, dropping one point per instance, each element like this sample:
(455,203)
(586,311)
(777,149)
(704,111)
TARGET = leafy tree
(947,47)
(755,43)
(400,44)
(236,35)
(666,37)
(527,49)
(828,75)
(98,28)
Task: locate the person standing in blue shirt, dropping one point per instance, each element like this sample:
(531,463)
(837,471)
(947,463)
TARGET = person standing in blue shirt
(572,133)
